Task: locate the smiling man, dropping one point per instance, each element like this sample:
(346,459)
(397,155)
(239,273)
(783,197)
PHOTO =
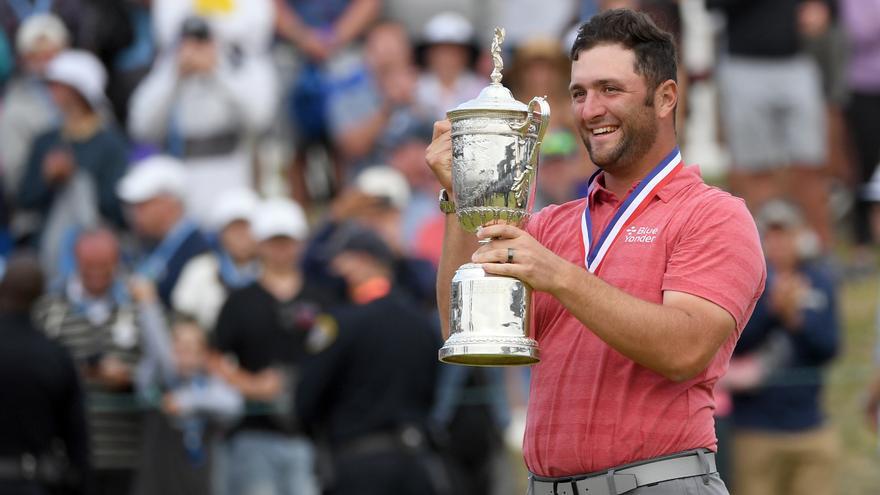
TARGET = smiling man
(641,289)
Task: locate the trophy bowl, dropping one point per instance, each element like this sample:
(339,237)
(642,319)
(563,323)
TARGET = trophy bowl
(495,145)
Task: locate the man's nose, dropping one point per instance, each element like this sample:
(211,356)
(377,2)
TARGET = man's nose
(592,107)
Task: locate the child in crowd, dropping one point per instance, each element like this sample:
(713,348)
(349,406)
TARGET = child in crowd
(195,404)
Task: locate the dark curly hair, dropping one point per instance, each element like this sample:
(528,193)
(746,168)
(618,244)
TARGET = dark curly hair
(654,48)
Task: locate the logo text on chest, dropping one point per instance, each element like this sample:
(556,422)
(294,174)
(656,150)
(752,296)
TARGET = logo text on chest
(640,235)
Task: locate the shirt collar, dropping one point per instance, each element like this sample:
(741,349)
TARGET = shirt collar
(600,194)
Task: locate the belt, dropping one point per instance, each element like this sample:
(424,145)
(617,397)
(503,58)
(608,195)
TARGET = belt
(202,147)
(406,439)
(27,467)
(628,477)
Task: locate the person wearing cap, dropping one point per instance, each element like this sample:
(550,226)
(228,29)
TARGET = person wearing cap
(376,200)
(266,327)
(782,442)
(641,288)
(448,49)
(28,110)
(204,101)
(154,191)
(369,393)
(91,314)
(71,173)
(207,279)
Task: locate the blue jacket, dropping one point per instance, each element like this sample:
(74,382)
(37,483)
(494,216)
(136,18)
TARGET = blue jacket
(789,399)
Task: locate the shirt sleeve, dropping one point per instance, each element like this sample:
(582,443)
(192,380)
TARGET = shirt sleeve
(718,257)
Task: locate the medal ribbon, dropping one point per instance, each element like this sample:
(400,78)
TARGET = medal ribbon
(633,205)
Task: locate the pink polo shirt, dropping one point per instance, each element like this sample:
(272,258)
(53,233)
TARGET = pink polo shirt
(590,407)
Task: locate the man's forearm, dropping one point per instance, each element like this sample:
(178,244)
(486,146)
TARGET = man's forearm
(458,246)
(667,338)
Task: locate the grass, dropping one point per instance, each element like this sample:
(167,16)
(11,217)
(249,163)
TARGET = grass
(847,382)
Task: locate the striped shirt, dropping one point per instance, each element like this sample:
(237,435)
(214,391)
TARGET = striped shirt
(113,416)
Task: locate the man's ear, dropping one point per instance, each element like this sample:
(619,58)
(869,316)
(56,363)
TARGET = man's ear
(666,98)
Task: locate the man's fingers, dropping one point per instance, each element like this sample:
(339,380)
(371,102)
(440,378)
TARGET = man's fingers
(440,127)
(499,231)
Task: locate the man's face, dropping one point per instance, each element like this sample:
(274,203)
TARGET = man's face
(279,251)
(149,218)
(97,258)
(237,239)
(612,106)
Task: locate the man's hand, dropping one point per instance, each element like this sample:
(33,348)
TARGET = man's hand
(58,166)
(113,374)
(439,153)
(786,296)
(532,263)
(170,406)
(196,57)
(813,18)
(143,290)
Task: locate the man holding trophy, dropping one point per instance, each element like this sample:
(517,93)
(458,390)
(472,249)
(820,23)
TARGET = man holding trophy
(641,289)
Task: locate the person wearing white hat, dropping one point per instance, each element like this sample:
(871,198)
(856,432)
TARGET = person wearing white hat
(71,172)
(27,109)
(449,50)
(153,190)
(231,264)
(267,327)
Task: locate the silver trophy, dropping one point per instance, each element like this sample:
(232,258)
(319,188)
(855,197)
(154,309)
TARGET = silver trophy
(495,145)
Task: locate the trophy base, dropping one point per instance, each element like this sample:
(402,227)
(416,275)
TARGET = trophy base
(479,352)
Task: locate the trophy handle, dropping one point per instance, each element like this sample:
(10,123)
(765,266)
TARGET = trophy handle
(538,118)
(539,115)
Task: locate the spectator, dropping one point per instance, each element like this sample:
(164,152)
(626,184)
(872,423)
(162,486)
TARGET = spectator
(14,14)
(28,110)
(324,34)
(204,101)
(91,315)
(860,20)
(42,397)
(369,393)
(449,51)
(72,171)
(782,444)
(265,327)
(472,412)
(120,33)
(207,279)
(154,189)
(772,109)
(370,113)
(246,27)
(195,404)
(376,201)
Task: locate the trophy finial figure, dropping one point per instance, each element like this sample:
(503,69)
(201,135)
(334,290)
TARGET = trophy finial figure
(496,56)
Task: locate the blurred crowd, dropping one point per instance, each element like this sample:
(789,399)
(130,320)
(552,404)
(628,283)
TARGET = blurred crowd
(219,238)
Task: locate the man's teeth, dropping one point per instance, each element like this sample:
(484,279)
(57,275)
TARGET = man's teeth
(604,130)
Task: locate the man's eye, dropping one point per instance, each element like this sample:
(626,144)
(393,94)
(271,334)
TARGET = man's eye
(577,95)
(610,89)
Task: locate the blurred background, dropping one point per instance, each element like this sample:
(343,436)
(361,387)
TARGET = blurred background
(219,237)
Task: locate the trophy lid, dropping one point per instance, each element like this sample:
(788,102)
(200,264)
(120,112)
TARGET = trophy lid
(495,96)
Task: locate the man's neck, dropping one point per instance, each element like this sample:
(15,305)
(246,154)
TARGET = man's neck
(284,284)
(620,180)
